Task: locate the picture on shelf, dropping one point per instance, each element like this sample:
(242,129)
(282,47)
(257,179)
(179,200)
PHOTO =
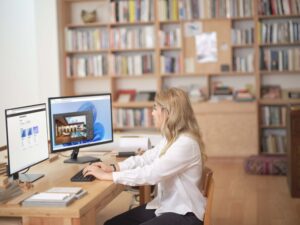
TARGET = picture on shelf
(271,92)
(126,95)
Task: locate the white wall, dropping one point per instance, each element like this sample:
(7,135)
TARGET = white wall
(28,56)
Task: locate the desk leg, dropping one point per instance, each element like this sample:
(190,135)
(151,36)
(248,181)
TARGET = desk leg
(145,192)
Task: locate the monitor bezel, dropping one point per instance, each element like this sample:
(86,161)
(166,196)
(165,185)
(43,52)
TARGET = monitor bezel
(7,140)
(83,145)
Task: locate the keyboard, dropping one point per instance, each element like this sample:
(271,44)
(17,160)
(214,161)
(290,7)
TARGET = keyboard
(78,177)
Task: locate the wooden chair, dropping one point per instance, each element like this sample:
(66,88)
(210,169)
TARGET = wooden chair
(207,189)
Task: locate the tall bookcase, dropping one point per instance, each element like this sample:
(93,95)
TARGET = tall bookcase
(149,45)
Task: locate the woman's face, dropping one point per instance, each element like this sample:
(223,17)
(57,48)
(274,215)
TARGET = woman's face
(158,115)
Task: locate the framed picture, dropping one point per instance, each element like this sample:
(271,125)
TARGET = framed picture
(271,92)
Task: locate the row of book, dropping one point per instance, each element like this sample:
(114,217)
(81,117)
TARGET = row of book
(133,37)
(280,32)
(170,38)
(242,36)
(280,60)
(82,66)
(132,11)
(170,64)
(132,65)
(274,141)
(87,39)
(273,115)
(132,118)
(243,63)
(278,7)
(200,9)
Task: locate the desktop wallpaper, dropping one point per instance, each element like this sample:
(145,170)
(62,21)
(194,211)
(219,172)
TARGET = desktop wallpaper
(101,111)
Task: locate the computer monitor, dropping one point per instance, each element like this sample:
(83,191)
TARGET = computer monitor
(80,121)
(27,140)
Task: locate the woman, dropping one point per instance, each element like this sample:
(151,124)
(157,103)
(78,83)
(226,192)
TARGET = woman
(175,165)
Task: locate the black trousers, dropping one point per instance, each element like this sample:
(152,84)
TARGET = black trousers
(142,216)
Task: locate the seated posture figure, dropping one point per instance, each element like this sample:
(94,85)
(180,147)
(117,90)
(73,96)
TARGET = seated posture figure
(174,165)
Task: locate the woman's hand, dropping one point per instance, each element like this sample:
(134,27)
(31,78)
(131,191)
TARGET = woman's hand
(97,172)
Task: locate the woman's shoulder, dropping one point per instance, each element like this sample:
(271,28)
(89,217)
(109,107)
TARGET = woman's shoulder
(187,139)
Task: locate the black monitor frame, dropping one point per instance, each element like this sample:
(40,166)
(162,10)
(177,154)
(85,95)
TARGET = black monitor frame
(22,176)
(74,158)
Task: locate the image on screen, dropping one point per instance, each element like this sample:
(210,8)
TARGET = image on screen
(80,121)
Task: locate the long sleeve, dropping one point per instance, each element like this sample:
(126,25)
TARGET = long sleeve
(142,160)
(182,154)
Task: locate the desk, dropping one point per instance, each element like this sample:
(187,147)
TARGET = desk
(81,212)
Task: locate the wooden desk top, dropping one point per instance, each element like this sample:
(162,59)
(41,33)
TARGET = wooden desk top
(58,174)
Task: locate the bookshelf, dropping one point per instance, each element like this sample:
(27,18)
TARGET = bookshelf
(278,46)
(149,45)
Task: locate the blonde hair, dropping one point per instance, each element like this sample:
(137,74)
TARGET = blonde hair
(181,118)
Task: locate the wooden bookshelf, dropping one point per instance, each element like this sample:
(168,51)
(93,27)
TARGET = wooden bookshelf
(174,59)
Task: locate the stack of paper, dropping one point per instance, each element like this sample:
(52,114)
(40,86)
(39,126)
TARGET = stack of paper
(58,196)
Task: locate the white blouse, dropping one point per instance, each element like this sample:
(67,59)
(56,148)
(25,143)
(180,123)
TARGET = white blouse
(177,174)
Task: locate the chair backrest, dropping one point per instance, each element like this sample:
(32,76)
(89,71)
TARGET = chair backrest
(207,187)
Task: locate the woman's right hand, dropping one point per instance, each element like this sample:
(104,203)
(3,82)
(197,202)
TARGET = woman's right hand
(104,167)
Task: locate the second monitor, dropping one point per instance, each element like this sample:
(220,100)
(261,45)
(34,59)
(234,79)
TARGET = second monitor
(80,121)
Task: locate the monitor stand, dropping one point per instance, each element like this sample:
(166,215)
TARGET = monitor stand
(23,177)
(80,160)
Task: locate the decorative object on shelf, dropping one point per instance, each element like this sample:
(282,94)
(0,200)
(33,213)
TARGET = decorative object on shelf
(271,92)
(291,93)
(196,94)
(145,96)
(243,95)
(225,68)
(88,17)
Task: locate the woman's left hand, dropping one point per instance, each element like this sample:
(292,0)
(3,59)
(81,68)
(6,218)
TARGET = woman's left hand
(97,172)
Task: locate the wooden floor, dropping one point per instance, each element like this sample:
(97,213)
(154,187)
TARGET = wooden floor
(243,199)
(239,198)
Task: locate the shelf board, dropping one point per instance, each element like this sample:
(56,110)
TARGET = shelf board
(133,104)
(136,76)
(89,77)
(279,44)
(233,73)
(84,25)
(87,52)
(276,72)
(133,50)
(272,153)
(242,46)
(242,18)
(167,22)
(170,49)
(183,75)
(272,126)
(269,17)
(137,23)
(278,101)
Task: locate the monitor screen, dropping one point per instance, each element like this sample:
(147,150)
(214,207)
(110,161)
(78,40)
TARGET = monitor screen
(27,139)
(80,121)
